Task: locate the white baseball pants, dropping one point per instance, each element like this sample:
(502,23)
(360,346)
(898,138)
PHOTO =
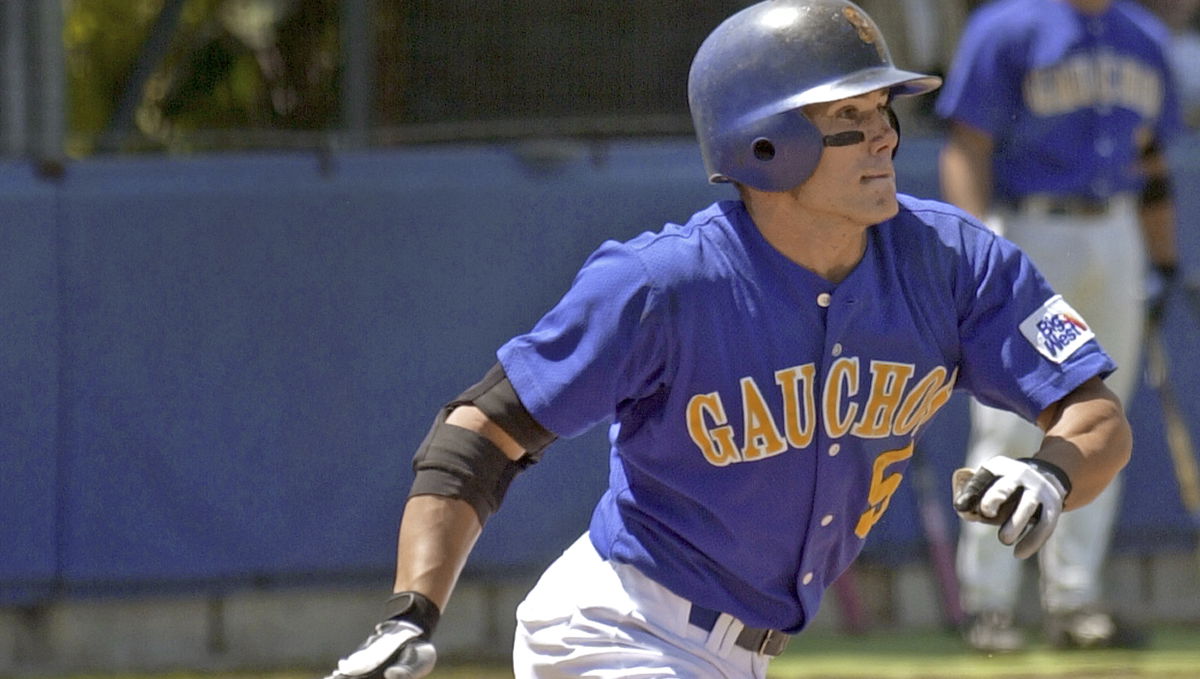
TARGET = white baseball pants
(588,617)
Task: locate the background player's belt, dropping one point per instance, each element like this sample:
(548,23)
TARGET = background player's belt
(1064,206)
(765,641)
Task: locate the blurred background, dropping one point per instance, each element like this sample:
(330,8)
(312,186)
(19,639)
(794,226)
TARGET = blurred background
(248,247)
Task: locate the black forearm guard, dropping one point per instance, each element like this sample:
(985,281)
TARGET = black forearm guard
(495,396)
(1157,190)
(459,463)
(1166,271)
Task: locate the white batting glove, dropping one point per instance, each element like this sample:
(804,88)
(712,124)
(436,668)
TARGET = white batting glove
(394,651)
(1024,497)
(399,647)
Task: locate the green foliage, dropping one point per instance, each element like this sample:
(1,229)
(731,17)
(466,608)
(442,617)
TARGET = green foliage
(101,39)
(228,66)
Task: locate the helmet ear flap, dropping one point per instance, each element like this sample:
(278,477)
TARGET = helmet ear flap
(775,153)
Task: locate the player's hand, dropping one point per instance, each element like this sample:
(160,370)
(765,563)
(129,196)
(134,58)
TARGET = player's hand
(399,647)
(1024,497)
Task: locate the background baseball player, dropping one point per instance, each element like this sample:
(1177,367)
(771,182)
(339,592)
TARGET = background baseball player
(1059,110)
(765,368)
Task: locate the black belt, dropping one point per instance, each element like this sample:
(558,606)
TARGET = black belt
(763,641)
(1064,206)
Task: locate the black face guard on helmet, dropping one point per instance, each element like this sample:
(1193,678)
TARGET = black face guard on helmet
(853,137)
(756,70)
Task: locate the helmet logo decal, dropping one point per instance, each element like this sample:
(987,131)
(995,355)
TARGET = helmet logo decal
(866,30)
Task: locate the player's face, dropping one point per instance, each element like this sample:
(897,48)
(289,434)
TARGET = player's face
(856,183)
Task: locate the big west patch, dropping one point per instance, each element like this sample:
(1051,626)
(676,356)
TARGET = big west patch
(1056,330)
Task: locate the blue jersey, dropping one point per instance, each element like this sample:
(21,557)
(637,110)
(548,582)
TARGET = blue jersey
(1065,96)
(762,416)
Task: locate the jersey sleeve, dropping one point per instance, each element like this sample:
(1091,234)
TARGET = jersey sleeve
(981,88)
(601,345)
(1170,123)
(1023,346)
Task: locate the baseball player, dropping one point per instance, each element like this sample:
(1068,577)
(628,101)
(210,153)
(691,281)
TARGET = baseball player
(764,368)
(1059,110)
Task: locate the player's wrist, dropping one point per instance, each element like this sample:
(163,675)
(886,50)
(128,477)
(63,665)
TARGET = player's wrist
(415,608)
(1166,270)
(1051,471)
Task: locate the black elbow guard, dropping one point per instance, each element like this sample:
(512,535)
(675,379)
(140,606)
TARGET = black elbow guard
(1157,190)
(495,396)
(459,463)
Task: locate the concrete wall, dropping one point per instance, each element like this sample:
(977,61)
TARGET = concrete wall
(310,628)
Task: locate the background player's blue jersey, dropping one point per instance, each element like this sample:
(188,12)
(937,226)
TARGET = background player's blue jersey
(745,475)
(1066,95)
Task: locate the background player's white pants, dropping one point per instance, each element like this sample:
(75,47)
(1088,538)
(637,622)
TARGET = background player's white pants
(1098,265)
(588,617)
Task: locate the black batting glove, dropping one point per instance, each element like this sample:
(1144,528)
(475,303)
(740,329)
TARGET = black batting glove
(399,647)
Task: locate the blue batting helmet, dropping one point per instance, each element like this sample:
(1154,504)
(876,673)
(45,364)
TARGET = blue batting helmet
(756,69)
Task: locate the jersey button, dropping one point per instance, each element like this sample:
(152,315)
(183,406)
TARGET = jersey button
(827,519)
(824,299)
(834,450)
(837,349)
(808,577)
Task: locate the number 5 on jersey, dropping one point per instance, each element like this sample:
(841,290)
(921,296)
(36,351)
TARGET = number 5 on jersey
(882,488)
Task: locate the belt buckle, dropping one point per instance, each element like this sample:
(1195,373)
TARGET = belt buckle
(1079,206)
(1064,206)
(1058,209)
(769,640)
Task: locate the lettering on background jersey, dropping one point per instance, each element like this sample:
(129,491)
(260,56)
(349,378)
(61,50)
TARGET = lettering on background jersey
(893,404)
(1089,80)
